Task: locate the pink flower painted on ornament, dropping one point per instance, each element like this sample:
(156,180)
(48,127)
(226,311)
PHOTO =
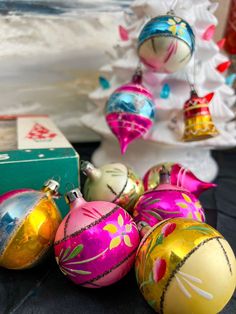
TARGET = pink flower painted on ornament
(159,269)
(121,233)
(168,229)
(192,208)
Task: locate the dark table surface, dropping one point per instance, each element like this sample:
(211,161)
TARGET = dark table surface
(44,289)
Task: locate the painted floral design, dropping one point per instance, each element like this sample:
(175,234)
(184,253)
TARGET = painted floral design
(120,232)
(191,206)
(168,229)
(67,263)
(177,27)
(187,282)
(165,232)
(159,269)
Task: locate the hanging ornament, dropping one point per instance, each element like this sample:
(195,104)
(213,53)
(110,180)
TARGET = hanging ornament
(166,201)
(198,120)
(221,43)
(28,223)
(181,266)
(165,92)
(104,83)
(130,111)
(114,183)
(209,32)
(124,35)
(166,43)
(96,242)
(222,67)
(179,176)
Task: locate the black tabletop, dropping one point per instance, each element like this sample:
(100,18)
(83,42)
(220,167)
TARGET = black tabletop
(44,289)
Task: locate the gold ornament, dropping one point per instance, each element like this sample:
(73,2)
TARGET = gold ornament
(183,266)
(28,223)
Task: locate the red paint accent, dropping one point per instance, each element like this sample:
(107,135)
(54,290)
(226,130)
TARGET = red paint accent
(209,97)
(168,229)
(222,67)
(124,35)
(159,269)
(221,43)
(209,32)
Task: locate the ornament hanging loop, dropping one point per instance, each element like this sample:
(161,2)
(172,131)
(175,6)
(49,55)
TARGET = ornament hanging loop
(193,90)
(171,12)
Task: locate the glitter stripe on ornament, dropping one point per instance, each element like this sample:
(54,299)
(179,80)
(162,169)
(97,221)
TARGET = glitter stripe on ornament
(12,216)
(87,227)
(110,270)
(173,274)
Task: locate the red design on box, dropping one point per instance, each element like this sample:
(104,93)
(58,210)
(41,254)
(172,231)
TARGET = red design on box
(40,133)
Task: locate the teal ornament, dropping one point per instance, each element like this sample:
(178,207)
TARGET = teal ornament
(104,83)
(165,92)
(166,43)
(229,80)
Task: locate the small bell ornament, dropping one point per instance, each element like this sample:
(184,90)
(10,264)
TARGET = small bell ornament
(198,121)
(183,266)
(114,183)
(95,244)
(130,111)
(166,43)
(166,201)
(179,176)
(28,223)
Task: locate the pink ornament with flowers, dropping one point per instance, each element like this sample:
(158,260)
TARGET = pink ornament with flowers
(96,243)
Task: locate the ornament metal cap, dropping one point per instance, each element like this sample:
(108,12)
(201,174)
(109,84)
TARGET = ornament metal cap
(90,170)
(72,195)
(86,167)
(164,175)
(52,185)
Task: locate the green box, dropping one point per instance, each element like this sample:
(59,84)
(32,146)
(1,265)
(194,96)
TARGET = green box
(43,153)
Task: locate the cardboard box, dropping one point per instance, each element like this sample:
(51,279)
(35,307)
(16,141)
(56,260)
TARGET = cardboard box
(36,152)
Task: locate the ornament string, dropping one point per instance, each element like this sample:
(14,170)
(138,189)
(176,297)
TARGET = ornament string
(172,7)
(192,82)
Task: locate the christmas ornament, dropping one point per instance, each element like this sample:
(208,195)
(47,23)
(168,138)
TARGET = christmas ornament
(166,201)
(28,223)
(209,32)
(183,266)
(166,43)
(96,242)
(114,183)
(198,121)
(130,111)
(179,176)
